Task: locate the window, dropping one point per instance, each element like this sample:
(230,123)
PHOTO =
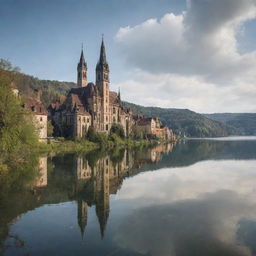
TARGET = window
(114,110)
(114,119)
(106,127)
(84,119)
(33,108)
(88,120)
(41,119)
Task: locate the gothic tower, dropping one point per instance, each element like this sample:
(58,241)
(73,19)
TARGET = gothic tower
(102,82)
(82,71)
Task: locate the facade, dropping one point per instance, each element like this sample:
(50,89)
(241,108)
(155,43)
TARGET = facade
(152,126)
(90,104)
(39,116)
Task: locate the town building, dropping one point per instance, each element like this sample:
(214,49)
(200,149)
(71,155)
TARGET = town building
(153,127)
(40,114)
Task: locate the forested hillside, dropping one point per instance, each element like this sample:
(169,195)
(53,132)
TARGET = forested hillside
(244,123)
(51,90)
(184,121)
(26,84)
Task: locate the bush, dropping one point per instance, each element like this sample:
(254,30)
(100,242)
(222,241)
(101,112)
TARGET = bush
(96,137)
(115,138)
(118,130)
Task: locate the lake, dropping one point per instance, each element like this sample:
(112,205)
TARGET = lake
(197,197)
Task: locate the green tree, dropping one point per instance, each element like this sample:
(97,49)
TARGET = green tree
(49,128)
(118,130)
(16,126)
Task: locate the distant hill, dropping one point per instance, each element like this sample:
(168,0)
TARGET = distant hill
(243,123)
(184,121)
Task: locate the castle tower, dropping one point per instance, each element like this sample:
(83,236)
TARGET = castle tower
(82,71)
(102,82)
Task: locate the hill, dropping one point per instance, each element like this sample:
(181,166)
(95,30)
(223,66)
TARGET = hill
(244,123)
(184,121)
(51,90)
(26,84)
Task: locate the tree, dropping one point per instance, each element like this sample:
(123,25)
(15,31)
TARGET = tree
(118,130)
(16,126)
(49,128)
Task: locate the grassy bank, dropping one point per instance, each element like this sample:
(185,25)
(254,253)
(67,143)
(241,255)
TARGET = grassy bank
(60,145)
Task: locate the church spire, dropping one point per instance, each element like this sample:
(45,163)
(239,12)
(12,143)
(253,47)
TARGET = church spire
(103,58)
(82,59)
(82,71)
(102,63)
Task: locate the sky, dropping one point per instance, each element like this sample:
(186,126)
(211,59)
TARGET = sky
(195,54)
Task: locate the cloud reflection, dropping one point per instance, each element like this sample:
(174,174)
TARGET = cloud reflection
(197,212)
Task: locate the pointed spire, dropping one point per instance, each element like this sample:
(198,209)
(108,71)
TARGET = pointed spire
(102,63)
(82,59)
(103,58)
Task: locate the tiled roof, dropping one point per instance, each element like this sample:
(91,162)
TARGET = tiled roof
(35,105)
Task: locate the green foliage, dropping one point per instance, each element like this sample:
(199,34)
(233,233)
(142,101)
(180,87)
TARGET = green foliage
(118,130)
(49,128)
(96,137)
(16,128)
(115,138)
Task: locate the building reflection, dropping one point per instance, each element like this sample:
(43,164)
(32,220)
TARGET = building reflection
(94,177)
(41,180)
(95,183)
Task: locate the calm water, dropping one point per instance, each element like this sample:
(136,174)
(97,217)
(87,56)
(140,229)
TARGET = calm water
(195,198)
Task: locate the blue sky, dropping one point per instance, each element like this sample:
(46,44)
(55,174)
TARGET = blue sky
(196,54)
(43,37)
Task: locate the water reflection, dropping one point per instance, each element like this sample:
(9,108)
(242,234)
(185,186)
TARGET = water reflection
(178,200)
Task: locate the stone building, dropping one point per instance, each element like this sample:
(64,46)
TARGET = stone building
(39,116)
(152,126)
(90,104)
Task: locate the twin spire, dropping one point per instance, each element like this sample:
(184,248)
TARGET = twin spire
(102,63)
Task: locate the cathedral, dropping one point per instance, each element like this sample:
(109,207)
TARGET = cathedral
(90,104)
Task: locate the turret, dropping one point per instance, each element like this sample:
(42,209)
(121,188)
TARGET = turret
(82,71)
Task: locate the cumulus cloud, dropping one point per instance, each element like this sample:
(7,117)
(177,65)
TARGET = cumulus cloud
(199,48)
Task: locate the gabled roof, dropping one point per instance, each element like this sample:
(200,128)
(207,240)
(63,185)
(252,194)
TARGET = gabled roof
(35,105)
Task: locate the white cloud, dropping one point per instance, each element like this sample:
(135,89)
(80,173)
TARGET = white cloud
(192,60)
(193,92)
